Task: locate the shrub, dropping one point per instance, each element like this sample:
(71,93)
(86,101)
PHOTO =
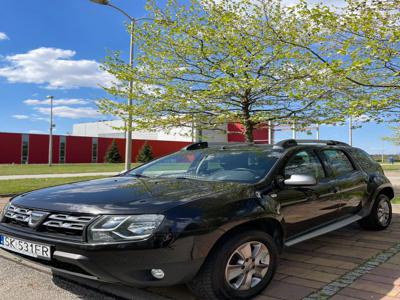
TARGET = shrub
(145,154)
(112,154)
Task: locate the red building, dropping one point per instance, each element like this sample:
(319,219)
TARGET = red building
(21,148)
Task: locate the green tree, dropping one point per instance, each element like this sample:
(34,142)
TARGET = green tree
(211,62)
(361,46)
(145,154)
(112,154)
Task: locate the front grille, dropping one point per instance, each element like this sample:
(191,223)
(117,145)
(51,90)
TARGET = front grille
(18,214)
(52,223)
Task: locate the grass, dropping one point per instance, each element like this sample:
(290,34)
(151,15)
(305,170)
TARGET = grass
(59,169)
(387,167)
(396,200)
(11,187)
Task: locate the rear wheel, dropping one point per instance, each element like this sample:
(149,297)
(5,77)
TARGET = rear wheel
(380,216)
(239,268)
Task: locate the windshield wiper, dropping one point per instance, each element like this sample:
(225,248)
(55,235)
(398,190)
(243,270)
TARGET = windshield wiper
(138,175)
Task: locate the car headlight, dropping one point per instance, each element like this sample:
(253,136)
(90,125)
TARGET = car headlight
(3,211)
(123,228)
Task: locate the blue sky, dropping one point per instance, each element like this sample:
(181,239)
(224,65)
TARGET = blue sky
(50,47)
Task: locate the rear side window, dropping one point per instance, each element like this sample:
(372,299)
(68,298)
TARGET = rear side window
(339,162)
(366,162)
(304,163)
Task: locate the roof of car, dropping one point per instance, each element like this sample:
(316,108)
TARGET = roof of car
(282,145)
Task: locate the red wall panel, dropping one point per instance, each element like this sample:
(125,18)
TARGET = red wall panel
(79,149)
(159,148)
(10,148)
(236,134)
(39,148)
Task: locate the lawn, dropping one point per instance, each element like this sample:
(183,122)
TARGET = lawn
(59,169)
(396,200)
(389,167)
(10,187)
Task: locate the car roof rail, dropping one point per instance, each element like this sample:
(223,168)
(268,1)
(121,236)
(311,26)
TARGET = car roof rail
(292,143)
(196,146)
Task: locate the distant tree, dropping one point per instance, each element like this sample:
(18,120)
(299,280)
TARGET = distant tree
(112,154)
(145,154)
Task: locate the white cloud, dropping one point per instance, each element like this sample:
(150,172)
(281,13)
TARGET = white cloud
(20,117)
(55,69)
(56,102)
(34,131)
(3,36)
(70,112)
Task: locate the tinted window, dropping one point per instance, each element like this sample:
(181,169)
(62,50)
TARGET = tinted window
(339,162)
(62,149)
(25,149)
(304,163)
(215,165)
(365,161)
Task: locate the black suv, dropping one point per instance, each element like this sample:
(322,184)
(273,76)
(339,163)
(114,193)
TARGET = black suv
(212,216)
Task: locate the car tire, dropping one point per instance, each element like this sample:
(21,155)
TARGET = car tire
(224,261)
(380,216)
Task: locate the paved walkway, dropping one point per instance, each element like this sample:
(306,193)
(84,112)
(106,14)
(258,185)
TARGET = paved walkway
(38,176)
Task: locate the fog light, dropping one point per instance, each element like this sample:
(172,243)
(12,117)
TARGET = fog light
(157,273)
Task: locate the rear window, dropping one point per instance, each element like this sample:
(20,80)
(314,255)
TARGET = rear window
(339,162)
(366,162)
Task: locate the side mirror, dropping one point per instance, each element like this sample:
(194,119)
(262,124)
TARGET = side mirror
(301,180)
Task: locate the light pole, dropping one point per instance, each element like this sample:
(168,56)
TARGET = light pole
(51,131)
(133,21)
(351,131)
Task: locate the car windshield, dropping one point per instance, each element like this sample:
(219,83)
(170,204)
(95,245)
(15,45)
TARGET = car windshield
(237,165)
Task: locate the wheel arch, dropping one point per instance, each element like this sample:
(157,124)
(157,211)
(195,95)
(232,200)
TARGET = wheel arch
(269,225)
(388,191)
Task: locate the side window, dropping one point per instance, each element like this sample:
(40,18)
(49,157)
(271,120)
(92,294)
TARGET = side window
(366,162)
(304,163)
(339,162)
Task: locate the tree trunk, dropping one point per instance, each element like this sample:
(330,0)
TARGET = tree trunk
(249,127)
(247,122)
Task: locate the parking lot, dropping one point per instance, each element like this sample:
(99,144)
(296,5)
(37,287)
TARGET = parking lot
(346,264)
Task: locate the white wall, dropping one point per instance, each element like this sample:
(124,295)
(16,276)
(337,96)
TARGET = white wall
(105,129)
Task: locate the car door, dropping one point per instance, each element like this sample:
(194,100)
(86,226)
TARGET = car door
(306,207)
(350,182)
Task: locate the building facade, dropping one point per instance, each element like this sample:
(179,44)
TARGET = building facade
(90,141)
(19,148)
(230,132)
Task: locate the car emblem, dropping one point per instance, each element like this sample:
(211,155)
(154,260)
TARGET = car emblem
(36,218)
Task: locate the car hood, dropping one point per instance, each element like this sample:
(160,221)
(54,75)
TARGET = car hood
(122,195)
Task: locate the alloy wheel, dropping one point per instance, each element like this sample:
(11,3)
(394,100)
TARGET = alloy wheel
(247,266)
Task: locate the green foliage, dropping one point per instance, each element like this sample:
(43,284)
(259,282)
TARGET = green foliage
(145,154)
(112,154)
(395,137)
(253,61)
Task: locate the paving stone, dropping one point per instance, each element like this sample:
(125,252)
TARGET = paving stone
(341,297)
(376,287)
(304,282)
(389,273)
(284,290)
(335,263)
(360,294)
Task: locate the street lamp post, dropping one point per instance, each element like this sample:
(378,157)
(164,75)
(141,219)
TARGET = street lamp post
(51,131)
(133,21)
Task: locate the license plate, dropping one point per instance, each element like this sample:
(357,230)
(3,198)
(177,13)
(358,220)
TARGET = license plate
(25,247)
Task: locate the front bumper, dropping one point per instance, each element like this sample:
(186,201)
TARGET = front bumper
(120,263)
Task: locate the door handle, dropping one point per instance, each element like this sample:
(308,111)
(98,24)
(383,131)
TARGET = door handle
(335,189)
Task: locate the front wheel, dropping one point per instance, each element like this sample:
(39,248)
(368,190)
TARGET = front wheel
(240,267)
(380,216)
